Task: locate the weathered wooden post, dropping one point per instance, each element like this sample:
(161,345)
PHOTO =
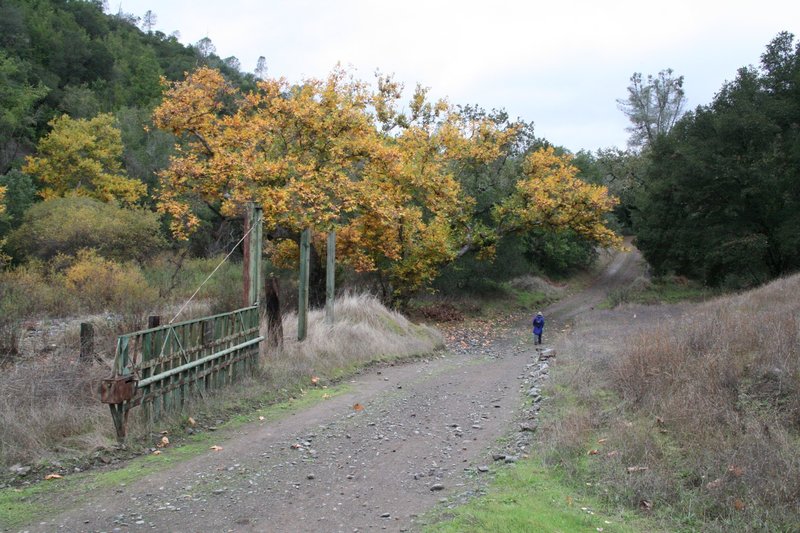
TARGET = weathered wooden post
(87,342)
(256,248)
(153,321)
(330,281)
(302,302)
(272,304)
(251,251)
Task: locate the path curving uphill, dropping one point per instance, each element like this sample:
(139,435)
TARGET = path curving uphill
(425,437)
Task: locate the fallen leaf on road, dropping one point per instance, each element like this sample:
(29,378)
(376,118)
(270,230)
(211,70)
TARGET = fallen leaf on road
(645,505)
(358,407)
(632,469)
(53,476)
(157,452)
(739,504)
(163,443)
(592,452)
(216,448)
(601,441)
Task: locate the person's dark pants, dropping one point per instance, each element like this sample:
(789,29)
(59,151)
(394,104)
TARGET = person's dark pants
(538,338)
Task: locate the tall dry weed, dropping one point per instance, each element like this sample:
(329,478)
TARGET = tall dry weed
(49,408)
(364,331)
(718,389)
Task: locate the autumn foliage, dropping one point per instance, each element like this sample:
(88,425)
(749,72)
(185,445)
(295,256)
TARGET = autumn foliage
(334,154)
(552,195)
(84,158)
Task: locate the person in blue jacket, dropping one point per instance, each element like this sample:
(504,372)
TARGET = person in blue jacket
(538,327)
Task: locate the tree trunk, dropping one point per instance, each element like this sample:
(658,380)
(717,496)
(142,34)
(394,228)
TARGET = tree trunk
(317,280)
(272,304)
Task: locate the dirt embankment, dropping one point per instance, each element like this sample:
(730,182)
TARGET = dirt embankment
(429,434)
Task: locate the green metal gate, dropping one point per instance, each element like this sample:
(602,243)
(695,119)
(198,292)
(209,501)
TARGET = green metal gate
(159,369)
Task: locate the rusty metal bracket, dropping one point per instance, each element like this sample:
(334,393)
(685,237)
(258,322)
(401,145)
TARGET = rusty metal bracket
(118,389)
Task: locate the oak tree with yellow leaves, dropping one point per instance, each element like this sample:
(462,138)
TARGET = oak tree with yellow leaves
(333,155)
(551,196)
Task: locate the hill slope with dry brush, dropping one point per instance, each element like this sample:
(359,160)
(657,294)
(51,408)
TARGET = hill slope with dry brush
(689,413)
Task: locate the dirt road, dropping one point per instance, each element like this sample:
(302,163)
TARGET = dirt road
(426,436)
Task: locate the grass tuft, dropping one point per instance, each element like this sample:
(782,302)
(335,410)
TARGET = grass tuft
(364,331)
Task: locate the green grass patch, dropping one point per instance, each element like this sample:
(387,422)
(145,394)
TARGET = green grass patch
(531,300)
(528,497)
(667,290)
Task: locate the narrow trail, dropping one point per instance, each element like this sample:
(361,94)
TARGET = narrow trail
(623,268)
(425,437)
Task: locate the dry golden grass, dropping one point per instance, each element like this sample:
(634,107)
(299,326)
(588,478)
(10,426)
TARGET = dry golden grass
(364,331)
(705,398)
(720,362)
(49,408)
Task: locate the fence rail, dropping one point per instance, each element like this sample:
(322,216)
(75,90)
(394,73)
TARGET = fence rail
(160,368)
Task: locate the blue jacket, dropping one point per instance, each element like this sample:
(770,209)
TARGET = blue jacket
(538,325)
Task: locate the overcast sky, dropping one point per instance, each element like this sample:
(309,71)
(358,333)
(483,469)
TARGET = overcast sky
(561,64)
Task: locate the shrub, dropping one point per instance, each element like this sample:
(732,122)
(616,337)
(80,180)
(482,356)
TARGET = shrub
(176,279)
(19,196)
(29,290)
(100,284)
(559,254)
(67,225)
